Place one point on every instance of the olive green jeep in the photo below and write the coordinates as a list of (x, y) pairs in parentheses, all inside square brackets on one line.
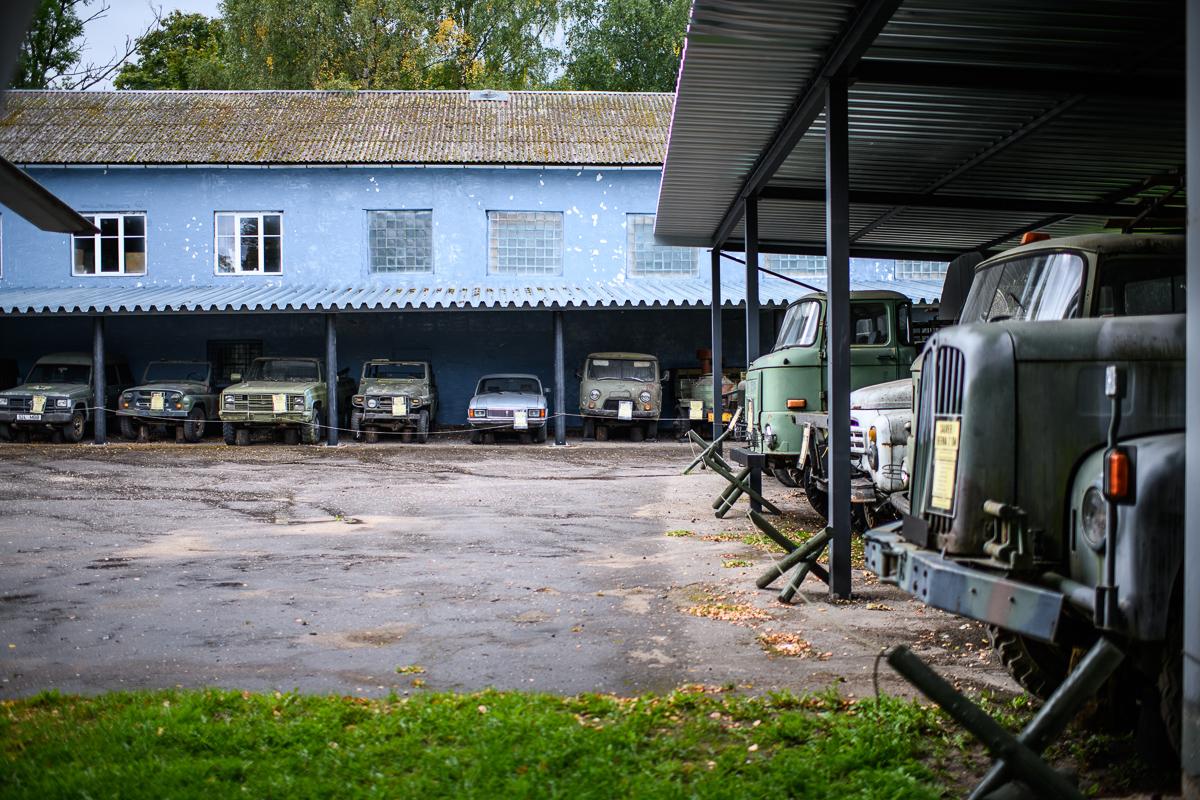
[(287, 394), (620, 390), (178, 394), (58, 394), (396, 396)]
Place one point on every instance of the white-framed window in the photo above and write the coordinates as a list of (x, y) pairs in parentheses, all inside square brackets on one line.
[(401, 240), (118, 249), (649, 260), (525, 242), (785, 264), (249, 243), (921, 270)]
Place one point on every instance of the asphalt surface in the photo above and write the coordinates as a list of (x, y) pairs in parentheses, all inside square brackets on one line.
[(509, 566)]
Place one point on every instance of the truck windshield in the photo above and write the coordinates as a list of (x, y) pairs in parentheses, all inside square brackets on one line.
[(620, 369), (1133, 286), (59, 373), (799, 328), (514, 383), (282, 369), (159, 371), (394, 372), (1043, 286)]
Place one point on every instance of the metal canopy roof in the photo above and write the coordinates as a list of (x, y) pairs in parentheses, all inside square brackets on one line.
[(970, 123)]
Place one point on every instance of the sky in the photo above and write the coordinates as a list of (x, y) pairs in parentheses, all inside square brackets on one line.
[(130, 18)]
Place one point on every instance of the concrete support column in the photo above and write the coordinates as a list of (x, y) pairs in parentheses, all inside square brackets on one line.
[(837, 343), (99, 415), (718, 405), (560, 383), (1190, 754), (331, 365)]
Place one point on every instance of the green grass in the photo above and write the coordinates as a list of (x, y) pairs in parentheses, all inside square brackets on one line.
[(691, 743)]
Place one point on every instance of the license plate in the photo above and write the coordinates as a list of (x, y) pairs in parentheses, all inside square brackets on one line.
[(39, 404), (625, 409), (521, 420), (945, 464), (29, 417), (279, 403), (400, 406), (695, 409), (156, 401)]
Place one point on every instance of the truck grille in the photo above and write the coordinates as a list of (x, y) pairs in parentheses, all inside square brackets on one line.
[(941, 395), (261, 403), (20, 404), (858, 439)]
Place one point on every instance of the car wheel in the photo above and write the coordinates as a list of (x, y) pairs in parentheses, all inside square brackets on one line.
[(589, 429), (539, 435), (356, 417), (126, 425), (474, 436), (193, 427), (310, 432), (73, 430), (423, 427), (6, 432), (242, 439), (229, 433)]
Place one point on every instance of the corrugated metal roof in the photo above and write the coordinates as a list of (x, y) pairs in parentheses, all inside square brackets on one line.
[(273, 127), (665, 293), (1058, 101)]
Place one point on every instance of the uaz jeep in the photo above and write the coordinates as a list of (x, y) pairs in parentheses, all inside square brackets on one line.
[(396, 396), (620, 390)]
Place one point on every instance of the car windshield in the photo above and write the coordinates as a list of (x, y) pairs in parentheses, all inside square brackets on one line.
[(1042, 286), (620, 369), (162, 371), (394, 371), (799, 328), (59, 373), (510, 383), (1133, 286), (283, 369)]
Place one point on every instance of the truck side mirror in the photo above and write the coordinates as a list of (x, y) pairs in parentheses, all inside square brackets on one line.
[(547, 390), (578, 375), (957, 285), (666, 376), (236, 377)]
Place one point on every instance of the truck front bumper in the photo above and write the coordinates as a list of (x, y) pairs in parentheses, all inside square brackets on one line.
[(606, 416), (23, 419), (154, 417), (959, 587), (267, 419), (377, 418)]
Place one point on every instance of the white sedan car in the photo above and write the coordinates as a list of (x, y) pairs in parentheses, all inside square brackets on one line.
[(508, 402)]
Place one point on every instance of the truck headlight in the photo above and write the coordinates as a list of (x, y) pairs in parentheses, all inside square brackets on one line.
[(127, 396), (229, 401), (644, 397), (4, 402), (594, 394), (62, 402), (769, 438), (175, 397), (372, 403), (1093, 517), (298, 403)]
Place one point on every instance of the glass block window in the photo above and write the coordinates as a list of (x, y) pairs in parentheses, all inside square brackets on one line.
[(249, 244), (525, 242), (119, 248), (808, 266), (401, 241), (916, 270), (648, 260)]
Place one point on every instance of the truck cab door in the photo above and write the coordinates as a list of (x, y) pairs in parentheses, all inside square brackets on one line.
[(874, 351)]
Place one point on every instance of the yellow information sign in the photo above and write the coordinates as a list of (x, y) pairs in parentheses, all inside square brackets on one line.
[(696, 409), (156, 401), (279, 403), (945, 463), (400, 406), (39, 404)]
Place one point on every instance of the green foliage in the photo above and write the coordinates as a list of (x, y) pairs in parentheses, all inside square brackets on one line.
[(689, 743), (172, 56), (624, 45), (49, 48)]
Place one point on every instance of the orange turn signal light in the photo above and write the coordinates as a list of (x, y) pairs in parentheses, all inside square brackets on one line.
[(1116, 475), (801, 403), (1034, 236)]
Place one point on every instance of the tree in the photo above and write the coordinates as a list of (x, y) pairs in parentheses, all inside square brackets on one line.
[(52, 48), (497, 45), (624, 45), (170, 55)]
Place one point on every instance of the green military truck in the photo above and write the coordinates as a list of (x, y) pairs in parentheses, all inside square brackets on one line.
[(58, 396), (395, 396), (785, 390), (620, 390), (285, 394), (178, 394), (1047, 466)]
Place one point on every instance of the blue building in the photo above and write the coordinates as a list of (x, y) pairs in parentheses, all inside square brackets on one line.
[(452, 226)]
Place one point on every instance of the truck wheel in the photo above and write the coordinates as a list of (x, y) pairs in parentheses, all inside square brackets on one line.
[(310, 432), (637, 433), (786, 477), (423, 427), (356, 417), (193, 426), (817, 498), (474, 436), (6, 432), (539, 435), (229, 433), (1038, 666), (127, 431), (589, 429), (73, 430), (371, 436)]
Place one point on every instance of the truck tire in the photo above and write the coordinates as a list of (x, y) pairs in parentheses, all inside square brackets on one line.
[(310, 432), (193, 426), (73, 430), (1038, 666), (6, 432), (652, 431), (356, 418), (423, 427), (817, 498), (589, 429), (242, 439), (229, 433), (127, 431), (371, 436), (786, 477)]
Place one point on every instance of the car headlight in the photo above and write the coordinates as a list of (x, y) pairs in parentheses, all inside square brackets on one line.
[(298, 403), (229, 401), (594, 394), (478, 412), (4, 401), (175, 397), (644, 397), (1094, 517), (62, 402), (372, 403)]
